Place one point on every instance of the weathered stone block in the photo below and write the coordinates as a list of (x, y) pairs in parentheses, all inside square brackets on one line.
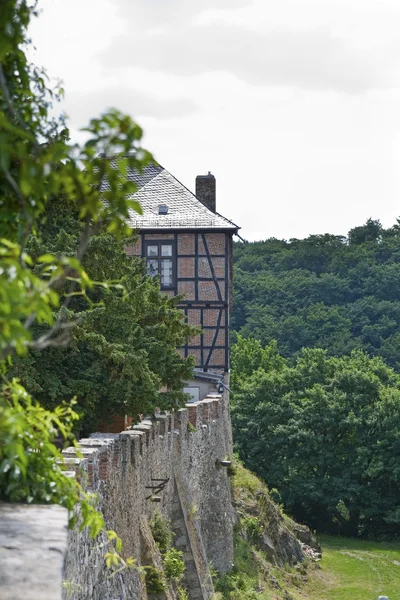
[(33, 541)]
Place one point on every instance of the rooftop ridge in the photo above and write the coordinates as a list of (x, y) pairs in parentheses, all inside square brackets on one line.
[(155, 185)]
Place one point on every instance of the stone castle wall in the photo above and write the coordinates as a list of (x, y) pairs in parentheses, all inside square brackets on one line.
[(184, 448)]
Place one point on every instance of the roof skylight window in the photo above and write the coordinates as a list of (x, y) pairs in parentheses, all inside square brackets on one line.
[(162, 209)]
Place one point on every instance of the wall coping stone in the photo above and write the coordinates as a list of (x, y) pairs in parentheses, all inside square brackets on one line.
[(93, 442), (33, 542), (88, 451)]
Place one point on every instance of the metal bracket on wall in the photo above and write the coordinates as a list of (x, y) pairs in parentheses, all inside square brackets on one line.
[(159, 487)]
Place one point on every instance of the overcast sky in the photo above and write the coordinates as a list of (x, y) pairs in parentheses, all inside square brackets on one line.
[(294, 105)]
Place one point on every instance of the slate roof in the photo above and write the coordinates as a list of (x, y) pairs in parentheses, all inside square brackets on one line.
[(157, 186)]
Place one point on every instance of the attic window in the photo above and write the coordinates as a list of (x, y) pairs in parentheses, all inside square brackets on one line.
[(162, 209)]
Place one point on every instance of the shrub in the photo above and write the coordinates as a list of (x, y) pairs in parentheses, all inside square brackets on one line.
[(172, 558), (161, 529), (245, 479), (253, 527), (30, 464), (182, 593), (154, 581), (174, 567)]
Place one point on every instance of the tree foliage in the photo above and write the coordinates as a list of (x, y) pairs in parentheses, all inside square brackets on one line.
[(31, 467), (38, 163), (64, 278), (324, 431), (325, 291), (122, 348)]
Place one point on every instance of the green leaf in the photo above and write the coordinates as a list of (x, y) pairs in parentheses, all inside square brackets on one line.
[(46, 258)]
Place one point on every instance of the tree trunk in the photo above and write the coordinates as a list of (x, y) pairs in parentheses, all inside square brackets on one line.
[(354, 521)]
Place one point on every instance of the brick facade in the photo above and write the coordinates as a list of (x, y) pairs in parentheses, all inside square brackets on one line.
[(203, 278)]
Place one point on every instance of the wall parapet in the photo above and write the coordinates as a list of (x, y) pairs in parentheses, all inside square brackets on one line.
[(94, 457), (178, 450)]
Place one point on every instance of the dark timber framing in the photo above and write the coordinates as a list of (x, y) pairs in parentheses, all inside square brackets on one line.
[(213, 314)]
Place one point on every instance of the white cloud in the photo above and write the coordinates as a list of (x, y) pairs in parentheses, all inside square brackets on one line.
[(313, 59), (151, 13), (292, 104), (130, 100), (350, 45)]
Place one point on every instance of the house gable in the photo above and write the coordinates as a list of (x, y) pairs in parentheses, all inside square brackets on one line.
[(190, 247)]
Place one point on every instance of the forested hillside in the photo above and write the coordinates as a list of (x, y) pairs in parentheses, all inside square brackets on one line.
[(327, 291), (323, 432), (316, 396)]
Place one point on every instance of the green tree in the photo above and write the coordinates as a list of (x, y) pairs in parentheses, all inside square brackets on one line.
[(370, 232), (325, 432), (55, 286), (324, 291), (123, 346)]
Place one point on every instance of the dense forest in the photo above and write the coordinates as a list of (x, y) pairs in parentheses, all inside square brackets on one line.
[(316, 388), (333, 292), (323, 432)]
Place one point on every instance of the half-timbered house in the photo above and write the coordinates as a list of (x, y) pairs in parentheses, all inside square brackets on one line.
[(189, 245)]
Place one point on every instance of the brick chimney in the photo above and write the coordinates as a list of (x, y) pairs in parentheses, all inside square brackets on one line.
[(205, 190)]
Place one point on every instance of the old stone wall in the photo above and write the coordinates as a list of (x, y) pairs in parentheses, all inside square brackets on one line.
[(33, 542), (181, 449)]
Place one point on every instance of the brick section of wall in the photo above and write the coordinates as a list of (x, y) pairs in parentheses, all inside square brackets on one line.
[(201, 248), (217, 357), (186, 288), (195, 340), (209, 337), (207, 291), (186, 243), (194, 317), (135, 249), (204, 267), (186, 267), (119, 467), (116, 424), (211, 317), (219, 266), (215, 243)]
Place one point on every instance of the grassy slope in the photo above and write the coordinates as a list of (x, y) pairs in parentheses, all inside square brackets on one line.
[(360, 570), (259, 573), (350, 569)]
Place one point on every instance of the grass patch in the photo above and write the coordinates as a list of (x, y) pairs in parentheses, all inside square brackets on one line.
[(243, 582), (245, 480), (356, 569), (350, 569)]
